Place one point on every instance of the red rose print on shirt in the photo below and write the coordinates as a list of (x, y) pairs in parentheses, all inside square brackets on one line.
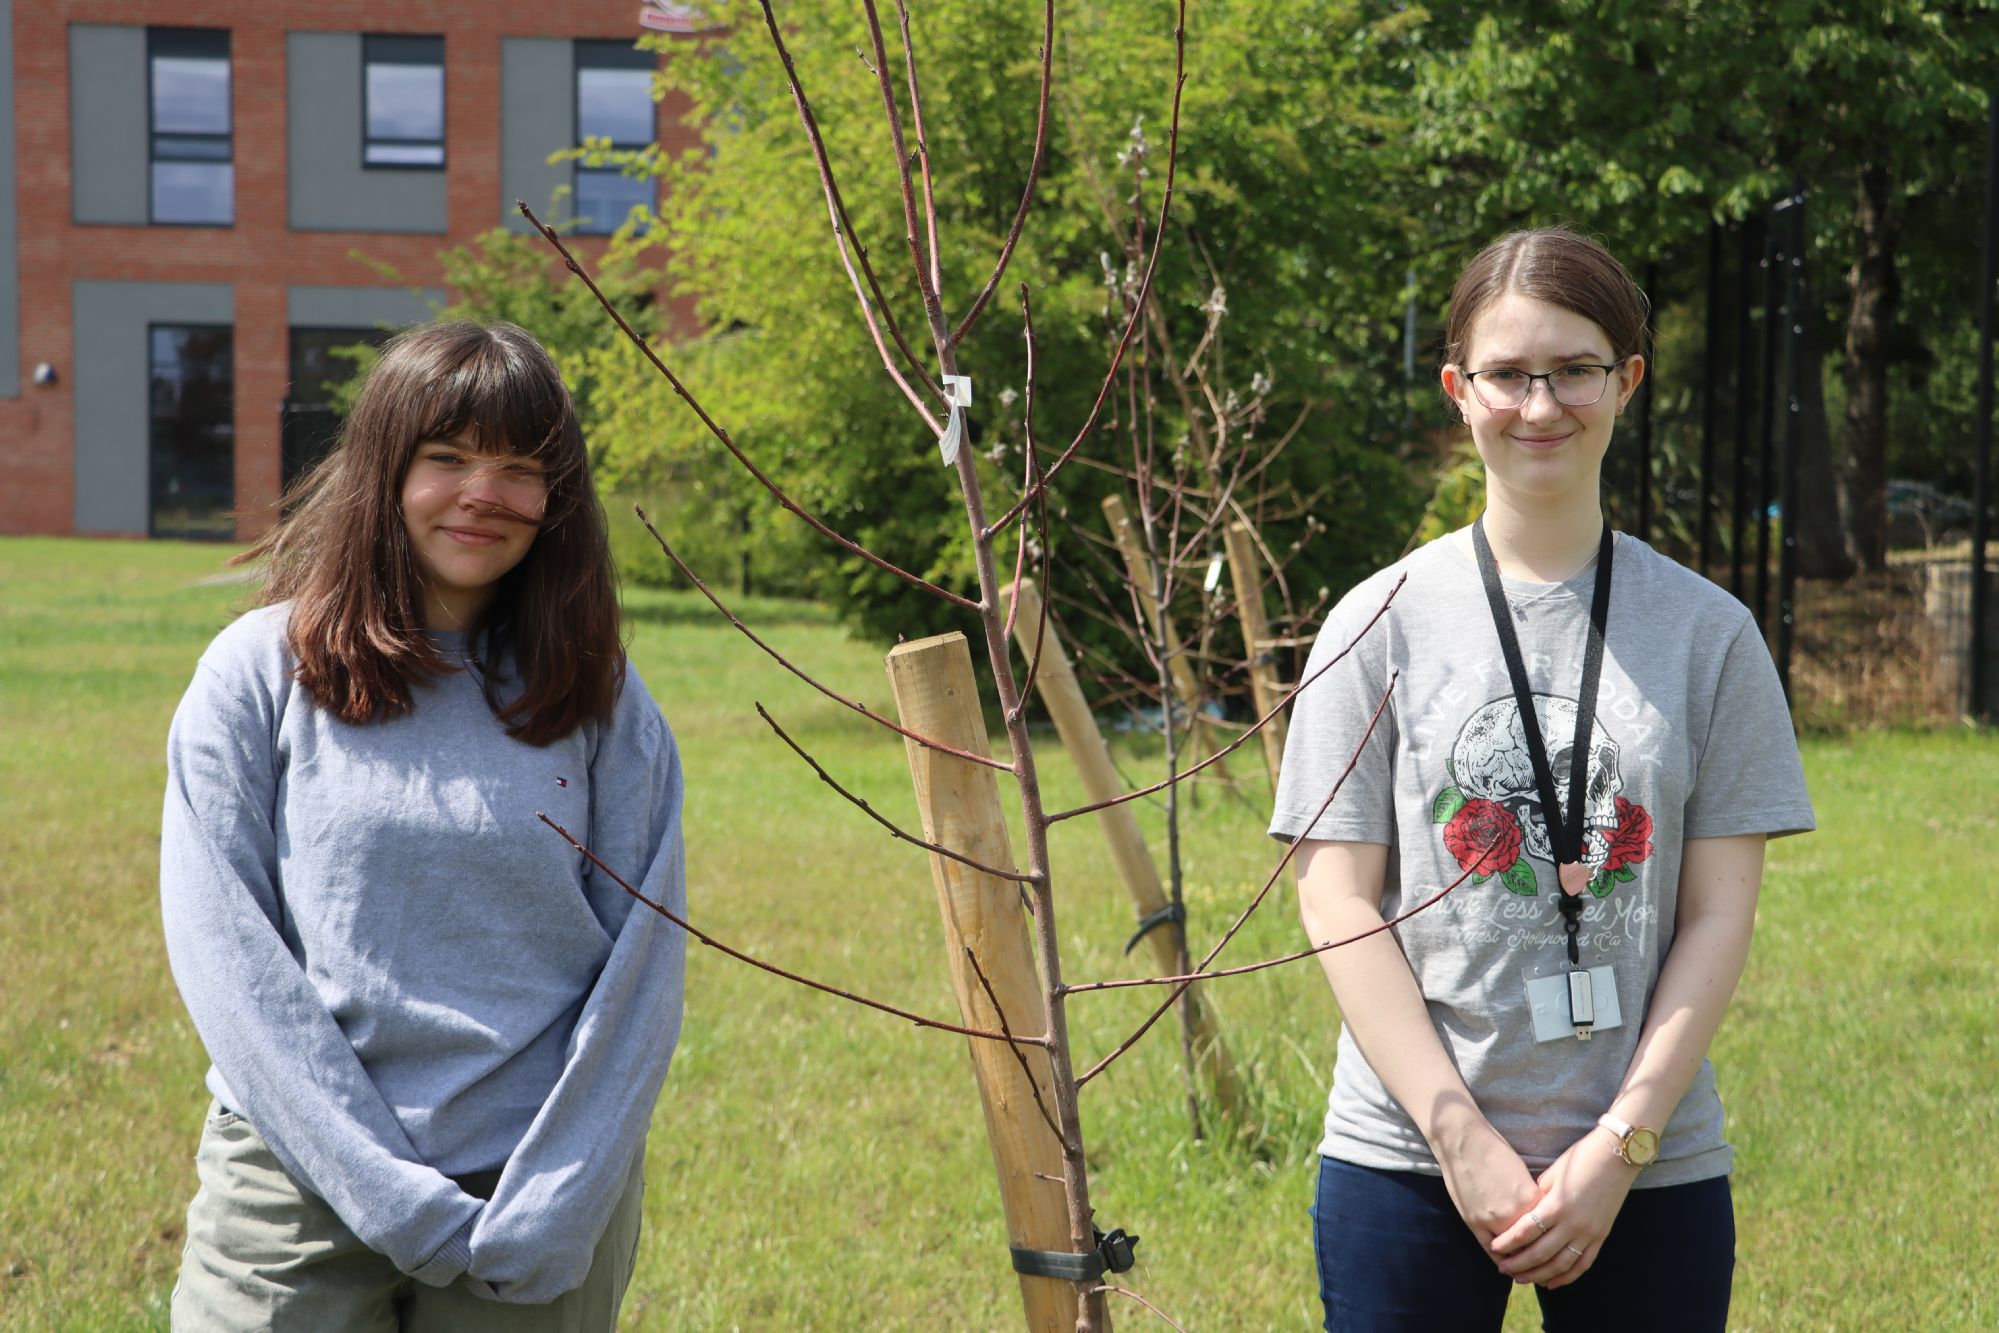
[(1490, 813), (1631, 841), (1484, 837)]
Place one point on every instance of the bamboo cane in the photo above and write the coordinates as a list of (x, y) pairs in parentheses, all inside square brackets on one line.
[(1138, 565), (1246, 570)]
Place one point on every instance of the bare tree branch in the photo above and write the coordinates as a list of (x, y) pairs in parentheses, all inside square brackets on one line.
[(1018, 1054), (875, 815), (1033, 451), (1258, 725), (1145, 284), (786, 663), (922, 147), (1127, 1291), (1033, 175), (836, 207), (1312, 952), (918, 1019), (1256, 902), (728, 443), (933, 301)]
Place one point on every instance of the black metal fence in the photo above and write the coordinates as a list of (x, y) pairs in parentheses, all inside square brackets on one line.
[(1741, 488)]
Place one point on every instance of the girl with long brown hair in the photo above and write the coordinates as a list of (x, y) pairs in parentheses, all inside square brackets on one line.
[(437, 1033), (1594, 741)]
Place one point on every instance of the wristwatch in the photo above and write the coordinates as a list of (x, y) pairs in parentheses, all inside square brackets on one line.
[(1637, 1145)]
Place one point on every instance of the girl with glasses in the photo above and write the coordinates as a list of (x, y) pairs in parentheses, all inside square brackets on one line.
[(437, 1033), (1593, 739)]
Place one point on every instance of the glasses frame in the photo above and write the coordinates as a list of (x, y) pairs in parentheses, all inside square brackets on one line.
[(1546, 377)]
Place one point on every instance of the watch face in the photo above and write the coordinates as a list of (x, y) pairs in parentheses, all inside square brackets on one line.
[(1642, 1147)]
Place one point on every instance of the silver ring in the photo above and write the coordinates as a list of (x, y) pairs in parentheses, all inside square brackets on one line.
[(1536, 1218), (1573, 1250)]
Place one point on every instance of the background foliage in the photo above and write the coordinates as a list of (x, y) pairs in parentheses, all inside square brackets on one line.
[(1339, 160)]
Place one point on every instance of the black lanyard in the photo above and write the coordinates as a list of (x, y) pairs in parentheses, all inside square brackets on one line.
[(1565, 827)]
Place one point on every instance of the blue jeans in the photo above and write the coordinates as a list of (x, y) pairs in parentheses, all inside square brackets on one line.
[(1394, 1255)]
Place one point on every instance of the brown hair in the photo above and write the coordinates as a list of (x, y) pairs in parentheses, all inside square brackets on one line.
[(341, 553), (1556, 265)]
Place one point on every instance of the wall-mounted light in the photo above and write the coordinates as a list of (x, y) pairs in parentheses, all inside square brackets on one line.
[(45, 373)]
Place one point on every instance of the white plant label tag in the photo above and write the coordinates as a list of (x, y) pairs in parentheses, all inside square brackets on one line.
[(958, 388)]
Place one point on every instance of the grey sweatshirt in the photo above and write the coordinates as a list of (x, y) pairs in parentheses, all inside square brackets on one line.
[(403, 977)]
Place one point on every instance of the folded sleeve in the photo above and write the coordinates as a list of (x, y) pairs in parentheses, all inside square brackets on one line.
[(538, 1233), (1345, 681), (1749, 778), (288, 1067)]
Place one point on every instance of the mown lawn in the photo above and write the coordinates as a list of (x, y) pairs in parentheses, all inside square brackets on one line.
[(814, 1165)]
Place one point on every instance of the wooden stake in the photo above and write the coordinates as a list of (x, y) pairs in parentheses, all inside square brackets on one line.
[(1055, 681), (935, 695), (1247, 573), (1138, 565)]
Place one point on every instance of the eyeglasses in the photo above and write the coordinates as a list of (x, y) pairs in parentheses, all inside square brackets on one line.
[(1505, 388)]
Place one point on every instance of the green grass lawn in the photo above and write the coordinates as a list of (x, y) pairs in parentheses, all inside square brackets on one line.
[(815, 1165)]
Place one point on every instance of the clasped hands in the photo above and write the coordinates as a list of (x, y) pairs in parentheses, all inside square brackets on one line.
[(1544, 1230)]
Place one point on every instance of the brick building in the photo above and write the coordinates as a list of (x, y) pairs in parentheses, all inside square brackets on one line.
[(184, 188)]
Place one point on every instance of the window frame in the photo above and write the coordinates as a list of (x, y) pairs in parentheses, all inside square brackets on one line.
[(599, 53), (192, 40), (386, 44)]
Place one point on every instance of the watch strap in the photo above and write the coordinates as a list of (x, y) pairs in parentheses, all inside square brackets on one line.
[(1624, 1132)]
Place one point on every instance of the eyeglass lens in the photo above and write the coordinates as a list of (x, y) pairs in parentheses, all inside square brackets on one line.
[(1573, 386)]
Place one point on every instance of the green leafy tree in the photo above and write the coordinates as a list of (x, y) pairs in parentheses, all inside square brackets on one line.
[(1275, 203), (511, 276), (1646, 122)]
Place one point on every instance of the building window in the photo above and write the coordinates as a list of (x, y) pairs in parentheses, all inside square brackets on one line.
[(193, 174), (192, 458), (402, 102), (613, 103), (322, 360)]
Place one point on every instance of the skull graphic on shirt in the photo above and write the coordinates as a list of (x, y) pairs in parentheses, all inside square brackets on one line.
[(1490, 761)]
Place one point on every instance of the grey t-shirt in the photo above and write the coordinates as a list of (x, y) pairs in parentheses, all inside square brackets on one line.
[(1692, 739)]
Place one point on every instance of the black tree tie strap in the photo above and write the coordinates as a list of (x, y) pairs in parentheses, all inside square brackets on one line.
[(1149, 922), (1113, 1254)]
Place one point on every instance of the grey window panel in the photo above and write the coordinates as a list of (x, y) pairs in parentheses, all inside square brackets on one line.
[(387, 153), (112, 360), (190, 95), (406, 102), (361, 307), (537, 118), (108, 113), (329, 187), (605, 197), (206, 148), (616, 104), (198, 193)]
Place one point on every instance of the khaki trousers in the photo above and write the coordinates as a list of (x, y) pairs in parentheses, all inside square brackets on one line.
[(264, 1254)]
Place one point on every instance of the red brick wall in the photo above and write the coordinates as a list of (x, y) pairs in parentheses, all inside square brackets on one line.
[(259, 256)]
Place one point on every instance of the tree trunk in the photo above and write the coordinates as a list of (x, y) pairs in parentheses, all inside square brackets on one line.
[(1821, 549), (1877, 293)]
